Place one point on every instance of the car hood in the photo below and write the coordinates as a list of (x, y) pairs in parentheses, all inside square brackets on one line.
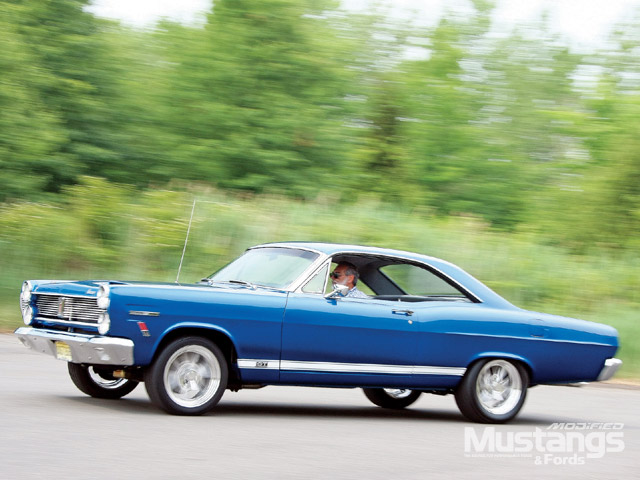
[(90, 287)]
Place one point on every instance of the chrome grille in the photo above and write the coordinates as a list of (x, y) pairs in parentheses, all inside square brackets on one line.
[(61, 308)]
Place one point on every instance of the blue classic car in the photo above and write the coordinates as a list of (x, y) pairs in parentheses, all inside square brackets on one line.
[(278, 316)]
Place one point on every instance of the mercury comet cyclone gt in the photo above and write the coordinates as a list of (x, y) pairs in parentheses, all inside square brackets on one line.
[(273, 317)]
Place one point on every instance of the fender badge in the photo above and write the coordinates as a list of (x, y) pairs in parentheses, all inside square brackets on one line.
[(144, 329)]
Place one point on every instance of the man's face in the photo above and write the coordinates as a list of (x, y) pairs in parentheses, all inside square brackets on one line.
[(340, 278)]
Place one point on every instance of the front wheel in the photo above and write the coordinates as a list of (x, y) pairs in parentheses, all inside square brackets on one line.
[(395, 398), (99, 383), (188, 377), (492, 391)]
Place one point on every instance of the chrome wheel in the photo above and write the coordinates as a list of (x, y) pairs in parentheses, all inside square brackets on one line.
[(499, 387), (105, 381), (398, 392), (492, 390), (391, 397), (99, 382), (188, 377), (192, 376)]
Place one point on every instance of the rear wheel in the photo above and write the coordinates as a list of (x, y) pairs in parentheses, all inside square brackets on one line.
[(492, 391), (188, 377), (391, 397), (99, 382)]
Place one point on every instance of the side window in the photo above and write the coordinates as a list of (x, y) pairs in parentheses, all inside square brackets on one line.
[(363, 287), (418, 281), (317, 282)]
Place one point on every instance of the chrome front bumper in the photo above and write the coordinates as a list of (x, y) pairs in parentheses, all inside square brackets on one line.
[(611, 366), (92, 349)]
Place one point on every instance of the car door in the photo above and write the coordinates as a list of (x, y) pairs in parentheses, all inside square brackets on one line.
[(441, 314), (346, 341)]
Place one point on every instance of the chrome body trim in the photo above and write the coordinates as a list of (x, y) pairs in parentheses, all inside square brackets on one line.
[(611, 366), (456, 371), (91, 349), (333, 367), (58, 294), (140, 313), (66, 322)]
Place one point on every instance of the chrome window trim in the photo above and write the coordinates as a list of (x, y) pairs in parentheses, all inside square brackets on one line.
[(325, 262), (475, 298), (304, 276), (289, 247)]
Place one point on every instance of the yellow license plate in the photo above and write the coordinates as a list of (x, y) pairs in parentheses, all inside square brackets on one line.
[(63, 351)]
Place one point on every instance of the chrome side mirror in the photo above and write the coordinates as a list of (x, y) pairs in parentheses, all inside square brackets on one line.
[(339, 291)]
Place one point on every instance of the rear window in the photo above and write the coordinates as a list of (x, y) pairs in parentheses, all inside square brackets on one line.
[(415, 280)]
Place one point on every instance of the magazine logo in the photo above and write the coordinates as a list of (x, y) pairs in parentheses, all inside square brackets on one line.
[(558, 444)]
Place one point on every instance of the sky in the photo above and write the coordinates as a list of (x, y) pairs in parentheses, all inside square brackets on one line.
[(584, 23)]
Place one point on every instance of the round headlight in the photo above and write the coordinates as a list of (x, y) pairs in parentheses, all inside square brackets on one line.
[(25, 294), (27, 315), (103, 297), (104, 322)]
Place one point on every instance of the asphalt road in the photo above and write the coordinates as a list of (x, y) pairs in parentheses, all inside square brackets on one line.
[(51, 430)]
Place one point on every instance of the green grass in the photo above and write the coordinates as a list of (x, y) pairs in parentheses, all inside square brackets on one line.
[(103, 231)]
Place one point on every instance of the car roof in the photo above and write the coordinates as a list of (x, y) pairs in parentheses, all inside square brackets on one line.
[(470, 283), (335, 248)]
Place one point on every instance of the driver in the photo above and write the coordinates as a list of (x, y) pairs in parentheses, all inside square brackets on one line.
[(347, 274)]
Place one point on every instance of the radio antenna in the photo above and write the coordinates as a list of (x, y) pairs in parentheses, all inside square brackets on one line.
[(185, 241)]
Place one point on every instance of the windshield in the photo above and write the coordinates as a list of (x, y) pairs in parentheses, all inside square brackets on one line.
[(270, 267)]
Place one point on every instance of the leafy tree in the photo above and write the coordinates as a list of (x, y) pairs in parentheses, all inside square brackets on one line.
[(30, 133), (257, 97), (76, 83)]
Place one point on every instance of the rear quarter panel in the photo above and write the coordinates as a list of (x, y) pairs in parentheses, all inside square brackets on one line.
[(555, 349)]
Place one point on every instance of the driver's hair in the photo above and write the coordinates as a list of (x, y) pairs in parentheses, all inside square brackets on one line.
[(351, 270)]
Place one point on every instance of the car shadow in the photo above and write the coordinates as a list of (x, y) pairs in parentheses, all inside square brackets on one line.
[(284, 410), (239, 409), (335, 411)]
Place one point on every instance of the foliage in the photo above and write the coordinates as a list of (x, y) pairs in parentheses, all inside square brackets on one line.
[(298, 97), (116, 233), (513, 156)]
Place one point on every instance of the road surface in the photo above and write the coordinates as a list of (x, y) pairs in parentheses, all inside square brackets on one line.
[(49, 429)]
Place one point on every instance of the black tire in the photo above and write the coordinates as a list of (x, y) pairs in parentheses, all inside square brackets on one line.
[(395, 398), (492, 391), (188, 377), (99, 382)]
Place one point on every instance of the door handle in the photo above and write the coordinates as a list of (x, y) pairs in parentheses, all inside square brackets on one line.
[(397, 311)]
